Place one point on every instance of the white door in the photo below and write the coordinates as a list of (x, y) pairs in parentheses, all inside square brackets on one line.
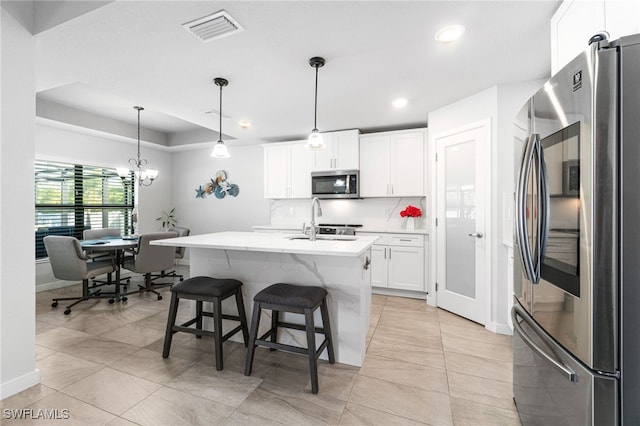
[(462, 201)]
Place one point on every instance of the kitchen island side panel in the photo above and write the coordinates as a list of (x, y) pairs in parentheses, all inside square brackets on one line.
[(345, 278)]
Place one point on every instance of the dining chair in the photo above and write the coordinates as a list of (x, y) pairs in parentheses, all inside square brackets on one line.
[(149, 258), (70, 263), (96, 234), (181, 232)]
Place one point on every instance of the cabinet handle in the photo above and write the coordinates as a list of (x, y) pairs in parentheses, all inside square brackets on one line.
[(388, 193), (405, 239), (389, 252), (385, 252), (391, 189)]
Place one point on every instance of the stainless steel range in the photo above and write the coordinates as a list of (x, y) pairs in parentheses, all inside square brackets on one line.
[(337, 229)]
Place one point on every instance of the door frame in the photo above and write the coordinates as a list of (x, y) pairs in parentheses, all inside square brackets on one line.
[(485, 156)]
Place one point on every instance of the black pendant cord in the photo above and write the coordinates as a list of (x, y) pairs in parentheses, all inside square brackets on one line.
[(315, 108), (220, 140), (138, 134)]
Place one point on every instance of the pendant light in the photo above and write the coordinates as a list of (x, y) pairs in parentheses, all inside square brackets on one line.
[(316, 141), (220, 150), (145, 177)]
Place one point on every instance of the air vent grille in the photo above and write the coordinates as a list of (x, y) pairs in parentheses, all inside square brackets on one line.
[(212, 27)]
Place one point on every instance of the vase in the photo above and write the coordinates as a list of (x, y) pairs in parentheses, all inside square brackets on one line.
[(411, 223)]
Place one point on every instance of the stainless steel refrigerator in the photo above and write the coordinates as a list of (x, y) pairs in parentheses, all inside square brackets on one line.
[(576, 312)]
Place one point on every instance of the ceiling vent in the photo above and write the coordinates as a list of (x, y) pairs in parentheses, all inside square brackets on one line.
[(211, 27)]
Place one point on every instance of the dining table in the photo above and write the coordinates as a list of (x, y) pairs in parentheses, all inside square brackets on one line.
[(117, 246)]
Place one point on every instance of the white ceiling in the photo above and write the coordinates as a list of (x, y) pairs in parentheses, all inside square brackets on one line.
[(137, 53)]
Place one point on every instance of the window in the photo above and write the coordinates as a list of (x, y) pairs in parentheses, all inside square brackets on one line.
[(70, 198)]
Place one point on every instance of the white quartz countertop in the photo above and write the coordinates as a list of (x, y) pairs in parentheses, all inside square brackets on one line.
[(271, 242)]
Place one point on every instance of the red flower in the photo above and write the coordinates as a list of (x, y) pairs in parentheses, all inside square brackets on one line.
[(411, 211)]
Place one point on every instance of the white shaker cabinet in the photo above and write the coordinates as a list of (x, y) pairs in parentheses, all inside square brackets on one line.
[(341, 153), (392, 164), (397, 262), (576, 21), (287, 170)]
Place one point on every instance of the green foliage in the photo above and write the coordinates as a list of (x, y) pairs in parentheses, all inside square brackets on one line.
[(168, 219)]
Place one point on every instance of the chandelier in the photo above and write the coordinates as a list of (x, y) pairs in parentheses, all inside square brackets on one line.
[(220, 150), (145, 177), (315, 140)]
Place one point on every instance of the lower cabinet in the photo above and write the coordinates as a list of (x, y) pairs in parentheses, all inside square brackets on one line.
[(397, 262)]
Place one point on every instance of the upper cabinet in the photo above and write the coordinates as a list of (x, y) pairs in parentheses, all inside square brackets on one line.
[(576, 21), (287, 170), (392, 164), (341, 153)]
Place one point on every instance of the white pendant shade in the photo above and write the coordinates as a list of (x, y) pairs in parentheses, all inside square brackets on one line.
[(315, 141), (220, 151)]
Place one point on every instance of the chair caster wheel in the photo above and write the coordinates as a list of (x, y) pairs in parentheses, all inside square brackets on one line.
[(181, 278), (54, 305), (124, 299), (128, 281), (159, 297), (67, 311), (111, 301)]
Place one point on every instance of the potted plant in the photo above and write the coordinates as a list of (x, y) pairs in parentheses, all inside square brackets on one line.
[(168, 220)]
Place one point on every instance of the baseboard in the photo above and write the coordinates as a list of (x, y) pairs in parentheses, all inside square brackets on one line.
[(400, 293), (499, 328), (19, 384)]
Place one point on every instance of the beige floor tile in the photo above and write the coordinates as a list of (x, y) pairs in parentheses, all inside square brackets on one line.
[(42, 326), (60, 370), (469, 413), (134, 334), (430, 339), (225, 387), (417, 322), (471, 347), (119, 421), (378, 299), (477, 366), (235, 356), (333, 379), (68, 410), (156, 321), (59, 338), (355, 414), (185, 346), (97, 349), (406, 401), (245, 419), (42, 352), (473, 331), (151, 366), (112, 390), (405, 373), (172, 407), (405, 352), (292, 407), (485, 391), (406, 303), (26, 397)]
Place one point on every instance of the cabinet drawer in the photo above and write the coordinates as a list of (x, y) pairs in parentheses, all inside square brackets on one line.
[(406, 240)]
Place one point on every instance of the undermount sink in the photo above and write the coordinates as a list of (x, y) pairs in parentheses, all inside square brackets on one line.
[(324, 237)]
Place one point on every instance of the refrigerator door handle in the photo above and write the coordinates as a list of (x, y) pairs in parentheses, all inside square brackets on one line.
[(522, 236), (516, 312), (543, 210)]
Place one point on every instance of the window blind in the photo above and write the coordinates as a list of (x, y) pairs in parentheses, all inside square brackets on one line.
[(70, 198)]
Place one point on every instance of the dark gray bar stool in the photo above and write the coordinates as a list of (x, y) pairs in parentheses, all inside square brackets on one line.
[(206, 289), (297, 299)]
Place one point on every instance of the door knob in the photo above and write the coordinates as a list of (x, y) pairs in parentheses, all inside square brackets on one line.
[(477, 235)]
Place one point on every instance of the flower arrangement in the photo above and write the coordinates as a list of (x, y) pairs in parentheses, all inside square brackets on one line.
[(411, 211)]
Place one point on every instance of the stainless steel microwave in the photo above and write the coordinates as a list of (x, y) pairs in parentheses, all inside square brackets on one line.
[(335, 184)]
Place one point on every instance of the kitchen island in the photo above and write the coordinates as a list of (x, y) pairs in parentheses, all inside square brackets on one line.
[(262, 259)]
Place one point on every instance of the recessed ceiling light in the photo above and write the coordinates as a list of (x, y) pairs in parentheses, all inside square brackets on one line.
[(245, 124), (400, 102), (450, 33)]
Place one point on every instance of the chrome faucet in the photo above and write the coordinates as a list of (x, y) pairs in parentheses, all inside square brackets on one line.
[(312, 226)]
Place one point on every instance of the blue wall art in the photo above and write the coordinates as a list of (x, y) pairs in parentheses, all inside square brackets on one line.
[(218, 186)]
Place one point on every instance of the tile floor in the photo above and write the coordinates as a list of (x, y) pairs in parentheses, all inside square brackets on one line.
[(103, 364)]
